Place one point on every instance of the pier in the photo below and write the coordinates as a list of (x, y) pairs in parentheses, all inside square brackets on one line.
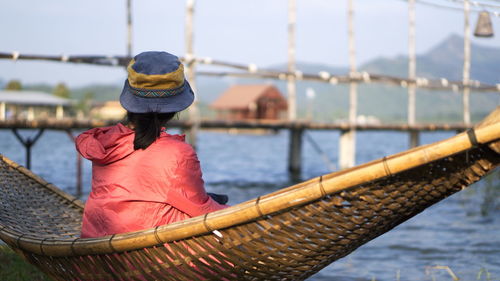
[(296, 131)]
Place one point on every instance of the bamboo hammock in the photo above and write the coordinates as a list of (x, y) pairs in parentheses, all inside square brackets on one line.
[(286, 235)]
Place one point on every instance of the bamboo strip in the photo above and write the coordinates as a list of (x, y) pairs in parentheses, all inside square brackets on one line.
[(72, 200)]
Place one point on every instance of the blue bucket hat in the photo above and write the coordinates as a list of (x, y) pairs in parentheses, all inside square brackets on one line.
[(156, 83)]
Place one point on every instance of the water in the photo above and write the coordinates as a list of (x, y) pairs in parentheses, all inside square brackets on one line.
[(462, 232)]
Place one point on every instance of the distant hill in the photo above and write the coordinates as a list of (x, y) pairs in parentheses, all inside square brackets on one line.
[(307, 67), (100, 92), (444, 60), (39, 87)]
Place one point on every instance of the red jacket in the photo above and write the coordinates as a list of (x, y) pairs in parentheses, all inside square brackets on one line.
[(139, 189)]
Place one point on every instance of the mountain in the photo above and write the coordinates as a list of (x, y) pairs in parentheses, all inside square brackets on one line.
[(444, 60), (307, 67), (100, 92)]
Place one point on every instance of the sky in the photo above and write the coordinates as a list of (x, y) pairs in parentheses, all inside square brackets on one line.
[(251, 31)]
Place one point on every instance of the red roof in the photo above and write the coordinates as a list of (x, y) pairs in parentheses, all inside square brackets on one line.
[(241, 96)]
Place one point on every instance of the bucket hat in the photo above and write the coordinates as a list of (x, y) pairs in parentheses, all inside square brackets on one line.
[(156, 83)]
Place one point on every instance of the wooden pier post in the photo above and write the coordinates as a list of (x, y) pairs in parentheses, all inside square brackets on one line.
[(28, 143), (59, 112), (78, 175), (412, 75), (3, 111), (347, 143), (78, 187), (129, 28), (414, 138), (466, 70), (190, 61), (295, 144), (346, 148), (291, 80), (295, 152)]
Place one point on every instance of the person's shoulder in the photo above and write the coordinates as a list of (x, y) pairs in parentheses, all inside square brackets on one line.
[(175, 143), (117, 128)]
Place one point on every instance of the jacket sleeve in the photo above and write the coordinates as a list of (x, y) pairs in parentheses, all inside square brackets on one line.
[(189, 194)]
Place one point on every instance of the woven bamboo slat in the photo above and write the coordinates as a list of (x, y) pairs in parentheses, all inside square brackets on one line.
[(286, 235)]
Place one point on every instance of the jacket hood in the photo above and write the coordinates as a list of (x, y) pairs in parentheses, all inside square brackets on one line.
[(106, 145)]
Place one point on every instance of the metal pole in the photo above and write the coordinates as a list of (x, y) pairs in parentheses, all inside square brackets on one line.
[(466, 72), (291, 86), (348, 138), (129, 28), (194, 114)]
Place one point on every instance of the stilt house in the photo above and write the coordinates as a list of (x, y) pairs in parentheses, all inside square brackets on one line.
[(31, 105), (246, 102)]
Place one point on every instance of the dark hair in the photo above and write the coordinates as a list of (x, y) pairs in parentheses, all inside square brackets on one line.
[(147, 127)]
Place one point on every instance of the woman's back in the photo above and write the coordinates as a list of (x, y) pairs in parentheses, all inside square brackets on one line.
[(143, 188)]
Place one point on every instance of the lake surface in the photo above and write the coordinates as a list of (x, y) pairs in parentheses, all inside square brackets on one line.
[(462, 232)]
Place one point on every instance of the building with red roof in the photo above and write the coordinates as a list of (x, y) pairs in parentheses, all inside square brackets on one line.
[(246, 102)]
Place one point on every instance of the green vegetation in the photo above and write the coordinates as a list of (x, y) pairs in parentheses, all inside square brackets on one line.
[(84, 105), (14, 268), (14, 85), (62, 91), (484, 272)]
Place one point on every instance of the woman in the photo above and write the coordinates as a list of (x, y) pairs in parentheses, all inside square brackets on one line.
[(142, 177)]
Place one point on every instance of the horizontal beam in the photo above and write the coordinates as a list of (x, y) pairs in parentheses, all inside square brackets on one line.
[(66, 124), (252, 71)]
